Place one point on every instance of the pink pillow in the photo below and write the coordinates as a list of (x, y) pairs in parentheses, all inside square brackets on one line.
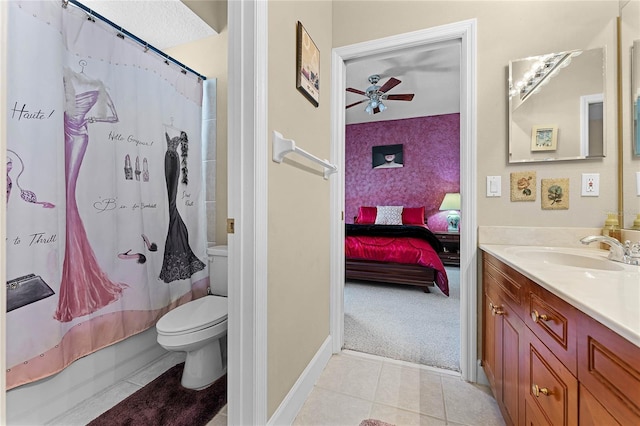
[(367, 215), (413, 216)]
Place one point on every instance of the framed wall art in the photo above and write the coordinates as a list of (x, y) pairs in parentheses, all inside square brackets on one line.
[(555, 194), (387, 156), (523, 186), (307, 66), (544, 138)]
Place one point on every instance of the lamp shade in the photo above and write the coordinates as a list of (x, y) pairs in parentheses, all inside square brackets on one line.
[(451, 201)]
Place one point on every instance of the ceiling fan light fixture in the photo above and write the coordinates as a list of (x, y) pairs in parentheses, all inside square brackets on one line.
[(377, 94), (369, 109)]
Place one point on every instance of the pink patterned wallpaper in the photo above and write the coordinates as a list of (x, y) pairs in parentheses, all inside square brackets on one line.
[(431, 154)]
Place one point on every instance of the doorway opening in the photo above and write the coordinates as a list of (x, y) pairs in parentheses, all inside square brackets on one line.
[(465, 34)]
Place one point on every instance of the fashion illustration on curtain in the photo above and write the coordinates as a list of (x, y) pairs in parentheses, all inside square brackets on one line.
[(179, 261), (84, 287)]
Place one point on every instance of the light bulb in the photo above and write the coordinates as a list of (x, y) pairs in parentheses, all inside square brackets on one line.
[(369, 109)]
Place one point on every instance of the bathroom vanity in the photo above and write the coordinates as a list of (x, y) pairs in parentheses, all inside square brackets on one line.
[(561, 336)]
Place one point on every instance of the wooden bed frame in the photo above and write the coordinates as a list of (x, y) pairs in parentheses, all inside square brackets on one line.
[(395, 273)]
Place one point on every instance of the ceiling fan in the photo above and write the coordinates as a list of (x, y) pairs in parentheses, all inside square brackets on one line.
[(376, 94)]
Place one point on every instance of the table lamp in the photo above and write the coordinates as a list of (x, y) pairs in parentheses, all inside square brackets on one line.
[(451, 203)]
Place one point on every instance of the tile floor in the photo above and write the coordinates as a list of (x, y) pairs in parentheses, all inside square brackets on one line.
[(353, 387)]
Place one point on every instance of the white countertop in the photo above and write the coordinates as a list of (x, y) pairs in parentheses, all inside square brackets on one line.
[(610, 297)]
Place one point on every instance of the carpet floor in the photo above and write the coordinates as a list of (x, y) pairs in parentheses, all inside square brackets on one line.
[(165, 402), (404, 323)]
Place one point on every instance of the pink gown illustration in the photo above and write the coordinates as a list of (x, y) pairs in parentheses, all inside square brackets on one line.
[(84, 287), (179, 261)]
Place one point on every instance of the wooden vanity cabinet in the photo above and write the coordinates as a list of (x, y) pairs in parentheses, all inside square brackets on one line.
[(609, 368), (504, 340), (549, 363)]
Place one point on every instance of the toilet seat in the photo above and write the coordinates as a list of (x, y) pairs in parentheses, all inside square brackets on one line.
[(193, 316)]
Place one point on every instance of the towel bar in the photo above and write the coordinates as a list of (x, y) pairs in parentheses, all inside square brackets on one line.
[(282, 147)]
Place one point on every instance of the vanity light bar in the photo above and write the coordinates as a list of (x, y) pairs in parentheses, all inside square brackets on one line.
[(540, 72)]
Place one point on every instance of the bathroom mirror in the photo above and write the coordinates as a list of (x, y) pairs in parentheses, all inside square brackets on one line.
[(635, 96), (556, 106)]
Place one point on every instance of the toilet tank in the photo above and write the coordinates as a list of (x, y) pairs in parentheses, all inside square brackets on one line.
[(218, 270)]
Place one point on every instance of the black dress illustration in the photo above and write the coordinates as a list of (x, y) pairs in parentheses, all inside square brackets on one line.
[(179, 261)]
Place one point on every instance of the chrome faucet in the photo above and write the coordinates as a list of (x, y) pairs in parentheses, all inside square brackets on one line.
[(618, 252)]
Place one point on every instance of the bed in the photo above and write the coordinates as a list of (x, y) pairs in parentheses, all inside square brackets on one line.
[(398, 251)]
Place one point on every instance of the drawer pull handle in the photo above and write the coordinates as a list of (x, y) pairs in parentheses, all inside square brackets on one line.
[(535, 316), (538, 390), (496, 310)]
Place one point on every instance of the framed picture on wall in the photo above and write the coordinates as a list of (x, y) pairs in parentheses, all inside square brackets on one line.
[(307, 66), (387, 157), (544, 138)]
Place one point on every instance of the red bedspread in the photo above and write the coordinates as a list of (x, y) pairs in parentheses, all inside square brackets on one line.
[(405, 250)]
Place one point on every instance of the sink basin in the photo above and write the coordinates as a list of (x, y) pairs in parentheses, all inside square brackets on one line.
[(567, 257)]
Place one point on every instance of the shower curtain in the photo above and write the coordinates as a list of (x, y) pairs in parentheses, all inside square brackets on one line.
[(105, 211)]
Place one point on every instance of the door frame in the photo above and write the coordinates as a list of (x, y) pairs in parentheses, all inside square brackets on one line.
[(247, 160), (466, 32)]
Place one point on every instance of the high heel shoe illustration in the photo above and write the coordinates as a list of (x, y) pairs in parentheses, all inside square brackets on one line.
[(25, 194), (145, 170), (137, 256), (137, 168), (128, 171), (150, 246), (9, 183)]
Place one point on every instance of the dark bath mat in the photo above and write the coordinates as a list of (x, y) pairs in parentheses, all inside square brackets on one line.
[(166, 402)]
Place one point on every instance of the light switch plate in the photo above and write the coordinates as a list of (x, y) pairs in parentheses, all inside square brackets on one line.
[(590, 184), (494, 186)]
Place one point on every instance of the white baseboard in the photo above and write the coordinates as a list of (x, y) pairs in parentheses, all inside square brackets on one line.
[(293, 402)]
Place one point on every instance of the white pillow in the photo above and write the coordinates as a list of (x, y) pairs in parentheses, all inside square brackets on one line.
[(389, 215)]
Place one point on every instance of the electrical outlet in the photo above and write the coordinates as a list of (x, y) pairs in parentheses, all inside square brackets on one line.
[(590, 184), (494, 186)]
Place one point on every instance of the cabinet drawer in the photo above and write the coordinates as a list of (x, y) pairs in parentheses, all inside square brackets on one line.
[(554, 322), (609, 368), (551, 388), (448, 238), (504, 283)]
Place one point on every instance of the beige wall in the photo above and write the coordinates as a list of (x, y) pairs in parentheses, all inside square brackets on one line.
[(509, 30), (298, 197), (209, 58)]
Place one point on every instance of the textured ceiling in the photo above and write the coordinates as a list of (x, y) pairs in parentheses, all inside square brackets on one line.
[(161, 23), (432, 73)]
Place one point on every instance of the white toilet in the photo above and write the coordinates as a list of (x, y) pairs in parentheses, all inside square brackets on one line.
[(199, 328)]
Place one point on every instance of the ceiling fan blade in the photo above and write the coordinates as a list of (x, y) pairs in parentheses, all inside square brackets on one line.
[(405, 97), (356, 103), (390, 84), (359, 92)]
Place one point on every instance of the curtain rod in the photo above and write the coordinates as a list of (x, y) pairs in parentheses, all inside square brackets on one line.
[(123, 32)]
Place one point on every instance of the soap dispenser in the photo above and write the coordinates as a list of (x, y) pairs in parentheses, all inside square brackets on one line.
[(636, 223), (611, 229)]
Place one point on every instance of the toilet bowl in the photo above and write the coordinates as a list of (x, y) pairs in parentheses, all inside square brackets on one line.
[(199, 328)]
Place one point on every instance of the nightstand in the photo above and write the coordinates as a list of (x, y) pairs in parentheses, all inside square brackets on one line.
[(451, 247)]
